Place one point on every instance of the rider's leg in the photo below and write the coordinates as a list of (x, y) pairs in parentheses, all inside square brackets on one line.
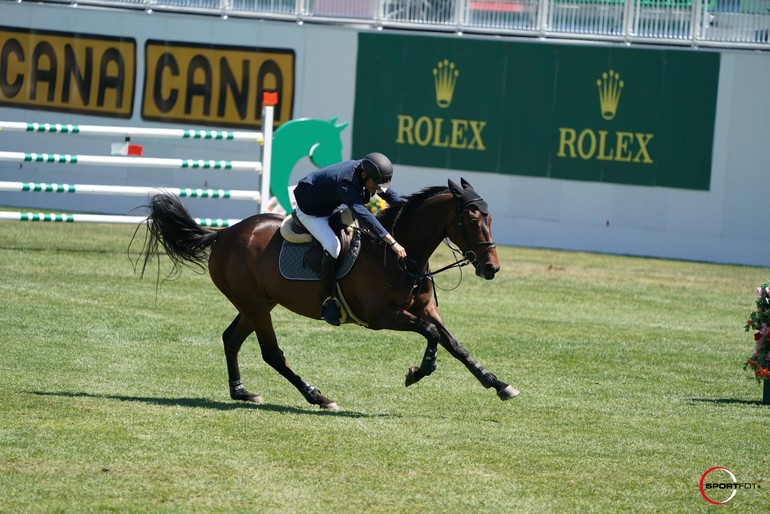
[(329, 310), (319, 227)]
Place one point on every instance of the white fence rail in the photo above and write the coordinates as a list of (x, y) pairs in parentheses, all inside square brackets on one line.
[(738, 23)]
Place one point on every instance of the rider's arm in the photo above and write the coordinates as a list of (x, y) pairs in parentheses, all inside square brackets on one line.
[(372, 223), (351, 197), (367, 219), (390, 196)]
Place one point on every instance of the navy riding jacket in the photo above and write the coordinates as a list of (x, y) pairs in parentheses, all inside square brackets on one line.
[(321, 192)]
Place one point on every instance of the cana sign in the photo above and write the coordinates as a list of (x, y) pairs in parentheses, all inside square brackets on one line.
[(62, 71), (215, 85)]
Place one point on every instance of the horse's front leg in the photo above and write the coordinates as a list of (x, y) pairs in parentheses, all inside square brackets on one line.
[(453, 346), (394, 318)]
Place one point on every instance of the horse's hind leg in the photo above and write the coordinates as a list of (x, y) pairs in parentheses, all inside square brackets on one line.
[(233, 338), (273, 355), (427, 366)]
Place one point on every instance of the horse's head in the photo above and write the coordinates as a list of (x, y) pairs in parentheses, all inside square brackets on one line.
[(472, 229)]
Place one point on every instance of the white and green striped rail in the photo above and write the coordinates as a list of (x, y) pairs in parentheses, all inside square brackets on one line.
[(101, 218), (131, 132), (99, 189), (138, 162)]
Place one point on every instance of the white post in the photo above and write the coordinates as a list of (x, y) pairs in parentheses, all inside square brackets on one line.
[(267, 155)]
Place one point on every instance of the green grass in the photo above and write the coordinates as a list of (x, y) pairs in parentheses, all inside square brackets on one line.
[(113, 396)]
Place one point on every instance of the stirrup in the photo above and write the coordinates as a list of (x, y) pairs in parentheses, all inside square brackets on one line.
[(330, 312)]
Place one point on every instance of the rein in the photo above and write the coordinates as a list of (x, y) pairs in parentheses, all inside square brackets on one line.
[(469, 199), (409, 266)]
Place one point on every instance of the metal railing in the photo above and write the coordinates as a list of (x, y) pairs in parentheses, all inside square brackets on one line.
[(725, 23)]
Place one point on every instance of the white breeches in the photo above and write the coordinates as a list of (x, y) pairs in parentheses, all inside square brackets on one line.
[(319, 227)]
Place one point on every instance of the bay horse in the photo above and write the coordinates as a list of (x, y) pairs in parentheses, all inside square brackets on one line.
[(380, 291)]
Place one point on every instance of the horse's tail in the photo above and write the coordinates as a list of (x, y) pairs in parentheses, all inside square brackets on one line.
[(170, 225)]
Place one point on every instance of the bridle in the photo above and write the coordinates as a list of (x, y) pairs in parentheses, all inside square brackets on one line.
[(468, 256), (479, 203)]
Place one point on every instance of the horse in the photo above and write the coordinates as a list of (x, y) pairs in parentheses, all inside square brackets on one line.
[(380, 291)]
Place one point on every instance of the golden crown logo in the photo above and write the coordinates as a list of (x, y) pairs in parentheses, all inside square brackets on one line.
[(610, 86), (445, 77)]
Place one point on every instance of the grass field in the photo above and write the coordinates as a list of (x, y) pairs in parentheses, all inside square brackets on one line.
[(113, 395)]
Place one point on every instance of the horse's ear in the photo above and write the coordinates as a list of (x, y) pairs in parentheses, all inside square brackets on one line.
[(465, 184), (455, 189)]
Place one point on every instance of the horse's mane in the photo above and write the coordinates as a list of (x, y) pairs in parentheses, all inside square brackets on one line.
[(389, 215)]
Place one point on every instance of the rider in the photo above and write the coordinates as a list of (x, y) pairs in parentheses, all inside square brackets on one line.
[(351, 183)]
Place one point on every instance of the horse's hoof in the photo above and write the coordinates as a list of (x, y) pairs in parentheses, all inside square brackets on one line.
[(411, 377), (508, 393), (246, 396), (332, 406)]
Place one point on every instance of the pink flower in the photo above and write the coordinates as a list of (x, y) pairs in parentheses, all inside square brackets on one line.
[(759, 291)]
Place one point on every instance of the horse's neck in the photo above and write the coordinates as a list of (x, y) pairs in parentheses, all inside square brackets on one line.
[(426, 227)]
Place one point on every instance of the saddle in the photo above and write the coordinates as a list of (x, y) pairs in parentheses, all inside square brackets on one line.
[(306, 253)]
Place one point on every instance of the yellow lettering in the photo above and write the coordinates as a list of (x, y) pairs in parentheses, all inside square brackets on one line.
[(602, 156), (437, 141), (622, 140), (599, 145), (440, 133), (458, 133), (477, 143), (567, 138), (423, 140), (585, 155), (643, 140), (405, 127)]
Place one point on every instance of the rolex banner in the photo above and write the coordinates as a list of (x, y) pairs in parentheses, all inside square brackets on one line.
[(604, 114)]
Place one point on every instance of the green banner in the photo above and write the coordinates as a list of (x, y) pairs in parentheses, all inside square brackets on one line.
[(602, 114)]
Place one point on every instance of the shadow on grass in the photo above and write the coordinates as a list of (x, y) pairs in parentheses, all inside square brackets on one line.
[(726, 401), (203, 403)]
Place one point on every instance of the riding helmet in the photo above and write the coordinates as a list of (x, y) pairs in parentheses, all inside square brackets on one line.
[(378, 167)]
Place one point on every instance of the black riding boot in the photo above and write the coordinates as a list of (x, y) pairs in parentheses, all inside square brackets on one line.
[(329, 311)]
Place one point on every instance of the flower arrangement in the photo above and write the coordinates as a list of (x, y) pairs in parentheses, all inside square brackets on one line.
[(376, 204), (759, 321)]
